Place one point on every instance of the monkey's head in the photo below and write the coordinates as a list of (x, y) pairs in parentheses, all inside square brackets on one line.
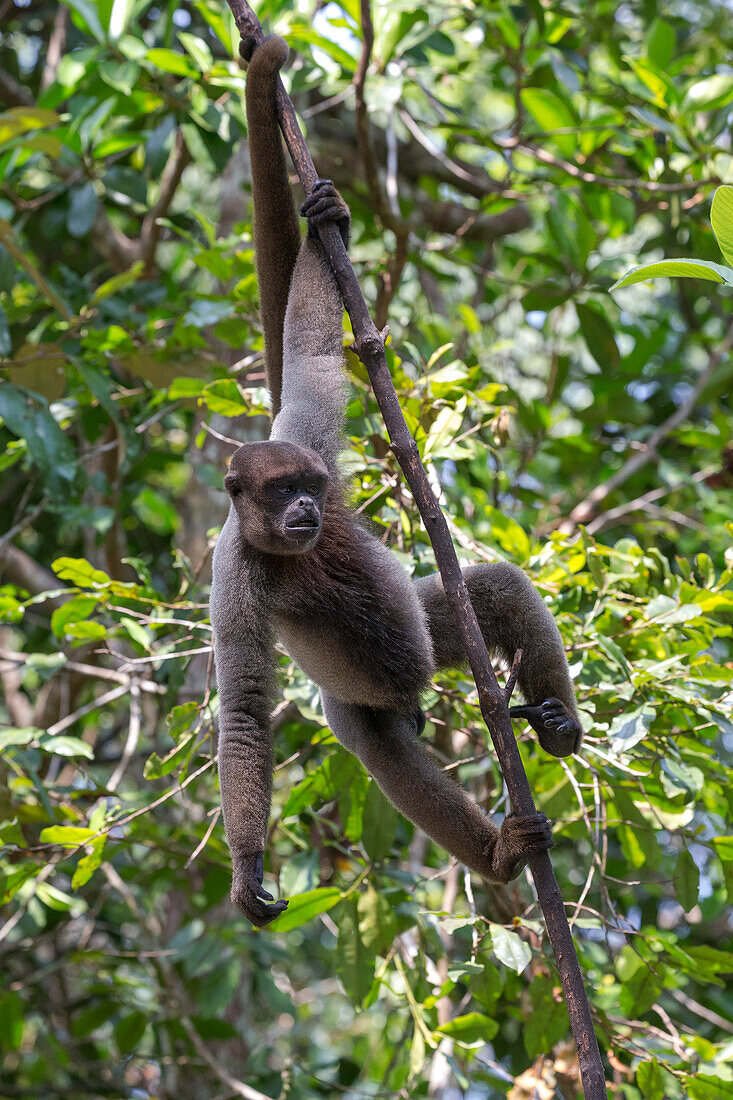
[(279, 492)]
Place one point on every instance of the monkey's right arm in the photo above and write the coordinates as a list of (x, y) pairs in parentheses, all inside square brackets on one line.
[(244, 654)]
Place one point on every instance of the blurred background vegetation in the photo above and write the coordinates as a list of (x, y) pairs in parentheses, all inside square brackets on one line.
[(505, 164)]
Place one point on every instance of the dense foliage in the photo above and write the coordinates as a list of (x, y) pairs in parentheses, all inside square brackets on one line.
[(505, 163)]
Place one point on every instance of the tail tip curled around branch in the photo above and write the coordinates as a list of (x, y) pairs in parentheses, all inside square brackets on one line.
[(268, 54)]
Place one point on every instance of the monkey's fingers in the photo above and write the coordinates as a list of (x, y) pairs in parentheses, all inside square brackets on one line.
[(260, 892)]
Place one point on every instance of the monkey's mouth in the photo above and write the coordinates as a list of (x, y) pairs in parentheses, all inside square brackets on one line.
[(303, 529)]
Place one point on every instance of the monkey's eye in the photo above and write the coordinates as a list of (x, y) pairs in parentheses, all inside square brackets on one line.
[(314, 490), (286, 490)]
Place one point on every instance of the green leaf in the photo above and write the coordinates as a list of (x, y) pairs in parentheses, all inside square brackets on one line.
[(552, 113), (678, 778), (639, 992), (710, 93), (79, 572), (28, 416), (702, 1087), (690, 269), (354, 958), (686, 880), (721, 219), (548, 1022), (510, 949), (156, 766), (171, 62), (660, 43), (305, 907), (379, 824), (64, 745), (650, 1079), (70, 836), (77, 609), (198, 49), (129, 1031), (82, 209), (474, 1027), (11, 1021), (598, 335), (118, 282), (377, 923), (11, 883), (16, 736), (6, 342), (88, 863), (86, 12)]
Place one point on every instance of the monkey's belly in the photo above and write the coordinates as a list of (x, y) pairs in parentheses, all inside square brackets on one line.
[(383, 673)]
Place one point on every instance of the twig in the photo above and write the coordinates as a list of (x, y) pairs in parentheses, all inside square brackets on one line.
[(701, 1010), (605, 519), (204, 840), (176, 164), (369, 346), (512, 677), (98, 673), (589, 507), (100, 701), (133, 736), (615, 182), (56, 44), (237, 1087)]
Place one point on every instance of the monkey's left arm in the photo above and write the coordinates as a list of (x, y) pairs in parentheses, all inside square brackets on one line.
[(313, 385), (244, 654)]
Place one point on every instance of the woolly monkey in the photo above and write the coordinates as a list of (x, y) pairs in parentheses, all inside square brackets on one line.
[(294, 563)]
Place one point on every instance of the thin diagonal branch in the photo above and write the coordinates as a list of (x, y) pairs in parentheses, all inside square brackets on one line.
[(590, 507)]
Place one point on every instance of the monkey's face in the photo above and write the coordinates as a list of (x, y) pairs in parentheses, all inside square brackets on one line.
[(279, 493)]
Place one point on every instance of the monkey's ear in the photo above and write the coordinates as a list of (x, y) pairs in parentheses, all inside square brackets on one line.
[(232, 485)]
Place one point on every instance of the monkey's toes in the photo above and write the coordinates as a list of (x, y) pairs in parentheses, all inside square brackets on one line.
[(324, 204), (530, 831), (559, 731)]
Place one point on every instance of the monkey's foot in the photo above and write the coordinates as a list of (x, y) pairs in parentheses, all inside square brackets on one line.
[(248, 893), (519, 836), (559, 731), (324, 204)]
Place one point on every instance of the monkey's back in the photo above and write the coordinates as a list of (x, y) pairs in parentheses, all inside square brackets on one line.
[(348, 614)]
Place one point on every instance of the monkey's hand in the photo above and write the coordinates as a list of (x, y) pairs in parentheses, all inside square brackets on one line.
[(248, 893), (559, 731), (324, 204), (519, 836)]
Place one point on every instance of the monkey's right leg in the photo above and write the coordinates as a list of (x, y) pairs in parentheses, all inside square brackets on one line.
[(387, 746), (512, 615)]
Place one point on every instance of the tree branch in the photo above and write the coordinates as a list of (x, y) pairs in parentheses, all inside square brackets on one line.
[(590, 507), (176, 164), (13, 94), (369, 346)]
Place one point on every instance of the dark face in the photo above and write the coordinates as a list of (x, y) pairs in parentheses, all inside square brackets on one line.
[(279, 492)]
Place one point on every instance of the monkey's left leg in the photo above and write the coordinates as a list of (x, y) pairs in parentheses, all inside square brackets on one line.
[(512, 615), (387, 745)]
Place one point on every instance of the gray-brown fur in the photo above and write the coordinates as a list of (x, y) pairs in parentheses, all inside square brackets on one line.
[(294, 562), (276, 229)]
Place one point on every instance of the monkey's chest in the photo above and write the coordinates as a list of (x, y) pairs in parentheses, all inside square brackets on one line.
[(365, 654)]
